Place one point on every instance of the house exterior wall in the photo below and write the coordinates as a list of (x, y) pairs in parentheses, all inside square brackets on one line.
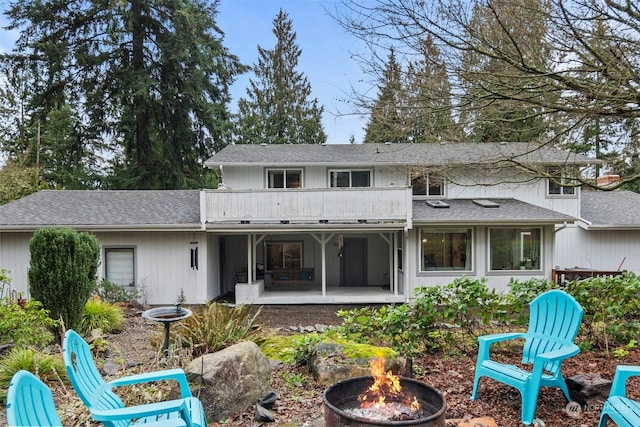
[(498, 280), (605, 250), (162, 263), (14, 256)]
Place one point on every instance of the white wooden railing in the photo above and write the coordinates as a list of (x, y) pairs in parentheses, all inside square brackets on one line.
[(344, 204)]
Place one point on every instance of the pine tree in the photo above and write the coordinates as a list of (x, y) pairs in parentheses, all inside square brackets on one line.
[(388, 122), (490, 118), (429, 110), (151, 78), (277, 109)]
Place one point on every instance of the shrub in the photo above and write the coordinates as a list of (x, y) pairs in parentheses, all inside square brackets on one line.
[(99, 314), (47, 367), (62, 272), (112, 292), (214, 326), (611, 309), (25, 325)]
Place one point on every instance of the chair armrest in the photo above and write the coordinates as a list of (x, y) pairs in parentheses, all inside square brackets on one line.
[(623, 373), (167, 374), (560, 354), (490, 339), (148, 410)]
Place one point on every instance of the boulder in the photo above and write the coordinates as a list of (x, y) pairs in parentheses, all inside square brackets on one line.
[(331, 362), (229, 381)]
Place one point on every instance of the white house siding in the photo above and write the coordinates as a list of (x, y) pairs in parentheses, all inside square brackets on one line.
[(598, 249), (14, 256), (480, 265), (245, 178), (163, 264), (534, 193)]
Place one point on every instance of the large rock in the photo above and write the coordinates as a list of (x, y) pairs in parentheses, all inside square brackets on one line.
[(231, 380), (332, 362)]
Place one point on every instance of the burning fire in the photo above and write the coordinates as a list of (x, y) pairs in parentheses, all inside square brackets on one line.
[(385, 394)]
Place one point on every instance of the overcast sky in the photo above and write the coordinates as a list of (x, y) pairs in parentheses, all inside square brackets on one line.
[(325, 59)]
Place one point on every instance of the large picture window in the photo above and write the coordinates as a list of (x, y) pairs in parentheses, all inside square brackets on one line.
[(445, 249), (284, 178), (350, 178), (284, 255), (427, 184), (515, 248), (119, 266)]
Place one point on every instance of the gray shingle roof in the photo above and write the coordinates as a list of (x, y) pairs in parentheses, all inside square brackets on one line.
[(466, 211), (392, 154), (611, 209), (98, 208)]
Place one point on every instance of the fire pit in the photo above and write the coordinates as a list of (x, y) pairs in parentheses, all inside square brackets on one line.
[(383, 399)]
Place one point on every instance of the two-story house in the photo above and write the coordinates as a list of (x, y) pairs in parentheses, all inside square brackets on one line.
[(294, 224)]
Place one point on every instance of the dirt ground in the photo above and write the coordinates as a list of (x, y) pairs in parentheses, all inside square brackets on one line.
[(300, 403)]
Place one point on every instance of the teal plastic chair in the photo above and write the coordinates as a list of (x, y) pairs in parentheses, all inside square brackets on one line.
[(554, 321), (30, 402), (106, 407), (618, 407)]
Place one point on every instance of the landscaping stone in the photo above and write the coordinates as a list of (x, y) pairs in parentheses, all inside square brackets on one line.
[(230, 381), (583, 387), (473, 422), (329, 364)]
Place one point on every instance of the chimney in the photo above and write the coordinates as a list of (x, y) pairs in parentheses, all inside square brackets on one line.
[(607, 180)]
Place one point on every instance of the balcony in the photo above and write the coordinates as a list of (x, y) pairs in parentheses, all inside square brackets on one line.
[(319, 205)]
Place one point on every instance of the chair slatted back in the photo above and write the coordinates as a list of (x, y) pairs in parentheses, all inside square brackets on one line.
[(554, 322), (86, 378), (30, 402)]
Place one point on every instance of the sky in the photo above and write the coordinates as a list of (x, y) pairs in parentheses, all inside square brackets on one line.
[(325, 59)]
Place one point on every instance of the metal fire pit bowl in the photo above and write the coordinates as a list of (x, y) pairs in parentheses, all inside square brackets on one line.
[(344, 394)]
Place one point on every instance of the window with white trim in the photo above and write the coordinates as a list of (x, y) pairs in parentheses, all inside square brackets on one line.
[(119, 265), (445, 249), (427, 184), (284, 178), (515, 248), (560, 184), (349, 178)]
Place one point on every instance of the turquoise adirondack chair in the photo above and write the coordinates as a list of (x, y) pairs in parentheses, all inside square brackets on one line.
[(554, 321), (618, 407), (30, 402), (106, 407)]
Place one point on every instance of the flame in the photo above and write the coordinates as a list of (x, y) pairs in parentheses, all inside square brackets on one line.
[(386, 392)]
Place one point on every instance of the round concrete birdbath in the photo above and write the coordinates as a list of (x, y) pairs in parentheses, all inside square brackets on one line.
[(166, 316)]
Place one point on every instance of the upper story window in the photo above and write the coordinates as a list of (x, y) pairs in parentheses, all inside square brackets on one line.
[(560, 184), (427, 184), (284, 178), (350, 178)]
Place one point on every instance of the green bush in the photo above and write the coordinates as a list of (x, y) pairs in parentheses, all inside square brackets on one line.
[(25, 325), (611, 309), (99, 314), (47, 367), (214, 326), (62, 273), (112, 292)]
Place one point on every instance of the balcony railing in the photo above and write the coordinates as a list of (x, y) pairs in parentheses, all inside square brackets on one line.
[(331, 204)]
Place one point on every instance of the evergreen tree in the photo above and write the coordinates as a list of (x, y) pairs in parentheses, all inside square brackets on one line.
[(487, 117), (277, 109), (429, 110), (151, 78), (388, 122)]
